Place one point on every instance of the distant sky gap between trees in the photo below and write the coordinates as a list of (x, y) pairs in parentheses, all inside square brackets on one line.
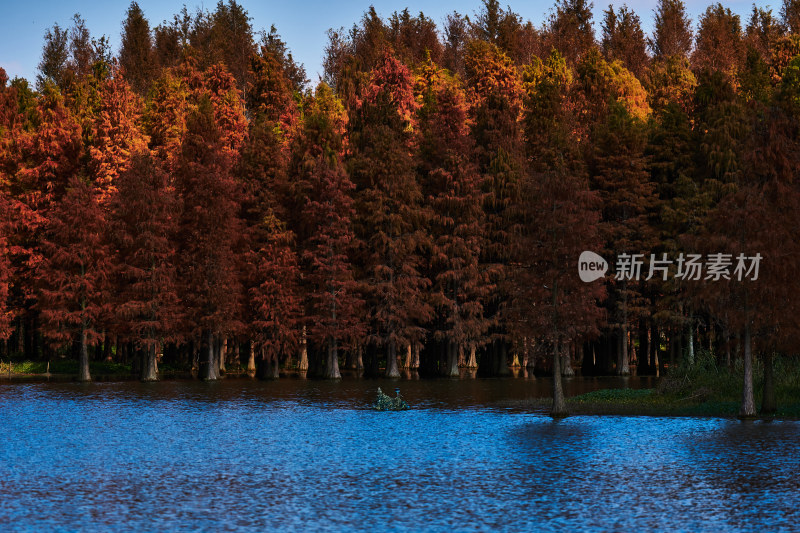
[(303, 24)]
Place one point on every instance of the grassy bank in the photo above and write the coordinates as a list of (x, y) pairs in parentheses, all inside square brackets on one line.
[(701, 389), (64, 366), (68, 369)]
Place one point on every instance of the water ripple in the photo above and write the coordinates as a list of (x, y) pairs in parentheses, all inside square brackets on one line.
[(310, 456)]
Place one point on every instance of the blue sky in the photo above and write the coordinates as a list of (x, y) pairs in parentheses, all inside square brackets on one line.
[(301, 23)]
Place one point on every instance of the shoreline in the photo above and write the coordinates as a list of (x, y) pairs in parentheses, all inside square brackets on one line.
[(601, 402), (648, 402)]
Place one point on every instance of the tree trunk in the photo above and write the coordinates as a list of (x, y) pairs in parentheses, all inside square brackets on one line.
[(350, 359), (107, 354), (748, 408), (525, 352), (530, 354), (623, 361), (217, 352), (195, 348), (690, 351), (251, 357), (20, 336), (391, 361), (727, 348), (302, 365), (654, 345), (83, 359), (332, 362), (452, 360), (268, 368), (711, 338), (415, 356), (360, 358), (472, 362), (559, 406), (643, 353), (137, 359), (407, 360), (566, 369), (223, 352), (768, 405), (209, 368), (149, 370), (288, 363), (263, 367), (276, 367), (673, 347)]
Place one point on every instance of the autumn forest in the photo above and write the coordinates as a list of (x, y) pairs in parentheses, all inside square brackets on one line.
[(193, 200)]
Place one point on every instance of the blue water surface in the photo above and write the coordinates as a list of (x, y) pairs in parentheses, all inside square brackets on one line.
[(311, 456)]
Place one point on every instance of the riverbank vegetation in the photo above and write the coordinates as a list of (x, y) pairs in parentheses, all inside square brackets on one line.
[(703, 389), (192, 201)]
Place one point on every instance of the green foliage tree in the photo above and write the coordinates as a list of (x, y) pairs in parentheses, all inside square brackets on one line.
[(136, 57), (623, 39), (672, 32)]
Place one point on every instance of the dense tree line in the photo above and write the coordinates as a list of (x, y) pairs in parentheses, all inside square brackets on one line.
[(193, 201)]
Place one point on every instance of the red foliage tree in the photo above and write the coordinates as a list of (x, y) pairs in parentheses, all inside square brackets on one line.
[(759, 218), (165, 115), (8, 104), (8, 114), (274, 298), (270, 93), (144, 226), (564, 216), (265, 244), (39, 163), (209, 225), (227, 103), (495, 98), (333, 304), (620, 176), (561, 221), (73, 275), (5, 275), (390, 218), (452, 188), (116, 134), (719, 45)]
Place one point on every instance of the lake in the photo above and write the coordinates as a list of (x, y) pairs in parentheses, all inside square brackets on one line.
[(306, 455)]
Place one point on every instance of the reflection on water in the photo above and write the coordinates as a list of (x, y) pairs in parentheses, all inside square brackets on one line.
[(309, 455)]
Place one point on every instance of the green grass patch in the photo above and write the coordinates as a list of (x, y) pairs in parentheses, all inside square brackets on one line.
[(613, 395), (703, 388), (62, 366)]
